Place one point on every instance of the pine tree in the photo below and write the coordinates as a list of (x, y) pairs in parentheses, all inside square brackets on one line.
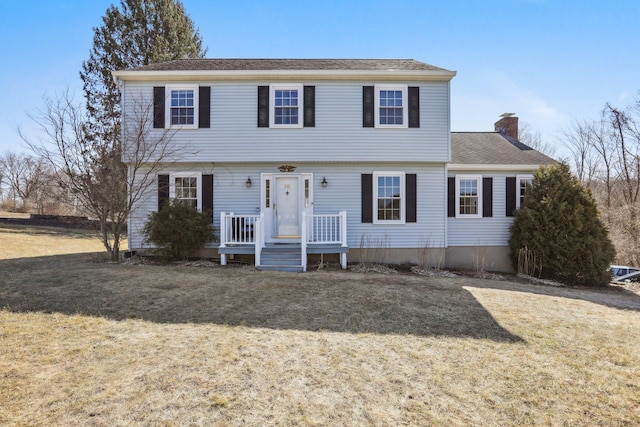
[(140, 32), (560, 224)]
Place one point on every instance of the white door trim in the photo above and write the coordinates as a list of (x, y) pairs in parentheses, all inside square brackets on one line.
[(268, 202)]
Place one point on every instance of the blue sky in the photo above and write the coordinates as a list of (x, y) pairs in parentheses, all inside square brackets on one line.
[(548, 61)]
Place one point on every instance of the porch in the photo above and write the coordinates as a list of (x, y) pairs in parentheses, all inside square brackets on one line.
[(319, 234)]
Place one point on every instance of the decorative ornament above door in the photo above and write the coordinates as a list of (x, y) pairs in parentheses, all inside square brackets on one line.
[(286, 168)]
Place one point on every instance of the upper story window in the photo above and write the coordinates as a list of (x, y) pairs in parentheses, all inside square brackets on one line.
[(389, 194), (187, 188), (182, 106), (522, 182), (468, 196), (391, 106), (286, 105)]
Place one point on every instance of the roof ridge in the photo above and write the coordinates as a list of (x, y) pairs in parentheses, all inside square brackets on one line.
[(292, 64)]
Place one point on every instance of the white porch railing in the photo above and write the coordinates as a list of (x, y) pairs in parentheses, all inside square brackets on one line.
[(328, 229), (237, 229), (317, 229)]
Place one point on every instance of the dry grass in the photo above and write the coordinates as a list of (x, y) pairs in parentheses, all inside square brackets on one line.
[(86, 343), (19, 242)]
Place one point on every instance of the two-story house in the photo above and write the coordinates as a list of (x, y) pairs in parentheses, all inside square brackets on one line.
[(328, 156)]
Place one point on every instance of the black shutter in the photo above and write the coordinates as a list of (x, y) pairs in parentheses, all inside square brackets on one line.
[(367, 197), (158, 107), (207, 194), (487, 197), (204, 107), (414, 107), (368, 107), (411, 192), (263, 106), (511, 195), (163, 190), (451, 197), (309, 106)]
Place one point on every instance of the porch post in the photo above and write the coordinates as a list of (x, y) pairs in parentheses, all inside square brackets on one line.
[(257, 240), (343, 237), (223, 230), (223, 237), (303, 241)]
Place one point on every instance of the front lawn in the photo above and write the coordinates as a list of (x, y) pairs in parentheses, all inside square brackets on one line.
[(91, 343)]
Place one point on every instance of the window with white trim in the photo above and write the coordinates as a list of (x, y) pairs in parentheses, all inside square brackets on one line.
[(391, 106), (286, 103), (389, 197), (182, 106), (187, 188), (468, 196), (522, 182)]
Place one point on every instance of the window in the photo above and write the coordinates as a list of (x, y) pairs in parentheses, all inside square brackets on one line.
[(285, 105), (187, 188), (389, 192), (468, 196), (522, 181), (391, 106), (267, 193), (182, 106)]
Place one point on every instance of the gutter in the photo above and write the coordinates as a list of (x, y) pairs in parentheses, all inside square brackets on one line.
[(116, 80)]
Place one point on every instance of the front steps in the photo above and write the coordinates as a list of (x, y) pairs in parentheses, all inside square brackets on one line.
[(281, 257)]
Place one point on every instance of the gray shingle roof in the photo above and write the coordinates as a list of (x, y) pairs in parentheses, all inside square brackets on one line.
[(289, 64), (493, 148)]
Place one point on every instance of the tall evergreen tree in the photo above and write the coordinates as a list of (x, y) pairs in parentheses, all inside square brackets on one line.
[(138, 33), (85, 145), (560, 225)]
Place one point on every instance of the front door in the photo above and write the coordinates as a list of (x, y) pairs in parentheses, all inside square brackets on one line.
[(287, 207), (285, 197)]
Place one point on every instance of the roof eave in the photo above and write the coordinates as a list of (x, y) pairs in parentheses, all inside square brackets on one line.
[(222, 75), (492, 167)]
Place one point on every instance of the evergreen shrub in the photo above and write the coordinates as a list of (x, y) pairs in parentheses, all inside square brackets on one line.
[(178, 230), (560, 231)]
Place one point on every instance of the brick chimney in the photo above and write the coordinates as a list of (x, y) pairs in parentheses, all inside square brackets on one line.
[(507, 125)]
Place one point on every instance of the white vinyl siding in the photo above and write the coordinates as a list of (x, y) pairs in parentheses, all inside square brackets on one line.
[(493, 231), (343, 192), (338, 135)]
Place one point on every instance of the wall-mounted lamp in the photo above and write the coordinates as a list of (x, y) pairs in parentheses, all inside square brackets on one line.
[(248, 183), (324, 182)]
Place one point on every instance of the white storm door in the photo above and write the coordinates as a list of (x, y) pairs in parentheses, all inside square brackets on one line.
[(287, 206)]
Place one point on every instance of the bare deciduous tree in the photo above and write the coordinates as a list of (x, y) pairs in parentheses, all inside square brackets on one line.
[(25, 176), (94, 172), (606, 156), (578, 140), (533, 138)]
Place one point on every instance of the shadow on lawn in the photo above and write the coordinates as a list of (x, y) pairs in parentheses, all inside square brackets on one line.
[(338, 302)]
